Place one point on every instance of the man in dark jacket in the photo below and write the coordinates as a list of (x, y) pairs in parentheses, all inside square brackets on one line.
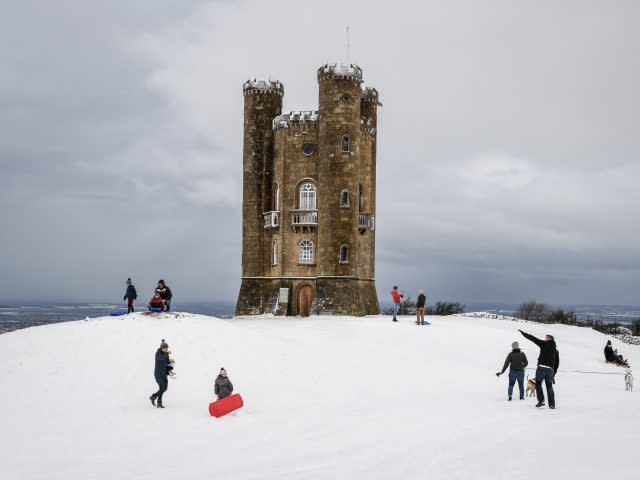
[(223, 386), (165, 294), (548, 363), (420, 307), (160, 372), (518, 361), (130, 295)]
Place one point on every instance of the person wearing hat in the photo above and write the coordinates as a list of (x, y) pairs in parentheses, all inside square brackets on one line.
[(160, 373), (223, 386), (548, 363), (420, 307), (165, 294), (517, 361), (130, 295), (397, 298)]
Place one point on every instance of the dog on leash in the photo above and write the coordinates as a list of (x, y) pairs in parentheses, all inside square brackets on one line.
[(531, 387), (628, 379)]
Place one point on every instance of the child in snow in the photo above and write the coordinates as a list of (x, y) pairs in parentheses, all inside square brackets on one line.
[(157, 302), (397, 298), (518, 361), (223, 386), (130, 295)]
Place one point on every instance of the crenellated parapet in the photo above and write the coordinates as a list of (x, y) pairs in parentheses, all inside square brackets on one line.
[(370, 95), (334, 71), (295, 118), (265, 87)]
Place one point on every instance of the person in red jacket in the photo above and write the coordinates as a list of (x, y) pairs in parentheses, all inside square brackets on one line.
[(157, 302), (397, 298)]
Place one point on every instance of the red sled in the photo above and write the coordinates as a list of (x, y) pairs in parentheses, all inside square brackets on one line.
[(225, 405)]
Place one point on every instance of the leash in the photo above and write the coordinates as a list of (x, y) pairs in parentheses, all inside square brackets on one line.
[(582, 371)]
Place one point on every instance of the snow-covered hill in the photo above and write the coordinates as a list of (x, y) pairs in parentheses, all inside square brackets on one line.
[(325, 398)]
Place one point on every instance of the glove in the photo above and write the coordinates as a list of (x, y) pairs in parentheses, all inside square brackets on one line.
[(498, 374)]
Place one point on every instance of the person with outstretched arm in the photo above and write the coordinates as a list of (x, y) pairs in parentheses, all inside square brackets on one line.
[(160, 373), (548, 363), (517, 361)]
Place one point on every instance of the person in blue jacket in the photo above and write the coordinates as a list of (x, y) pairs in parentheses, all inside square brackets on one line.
[(130, 296)]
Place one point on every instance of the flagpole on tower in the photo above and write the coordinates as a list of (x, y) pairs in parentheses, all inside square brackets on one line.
[(348, 59)]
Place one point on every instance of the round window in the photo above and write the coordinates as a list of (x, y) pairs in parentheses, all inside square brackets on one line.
[(308, 148)]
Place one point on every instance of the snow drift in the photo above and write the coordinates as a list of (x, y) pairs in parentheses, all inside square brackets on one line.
[(325, 397)]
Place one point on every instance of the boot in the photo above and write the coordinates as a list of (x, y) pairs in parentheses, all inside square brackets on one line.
[(153, 399), (159, 405), (540, 404), (509, 397)]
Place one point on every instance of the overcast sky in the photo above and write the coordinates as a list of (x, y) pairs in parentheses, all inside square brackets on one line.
[(508, 159)]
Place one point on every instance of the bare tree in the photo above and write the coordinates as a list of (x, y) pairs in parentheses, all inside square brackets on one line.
[(532, 311)]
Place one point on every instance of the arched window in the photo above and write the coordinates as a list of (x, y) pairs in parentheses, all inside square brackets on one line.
[(276, 197), (344, 254), (345, 144), (344, 199), (307, 196), (306, 251), (274, 260)]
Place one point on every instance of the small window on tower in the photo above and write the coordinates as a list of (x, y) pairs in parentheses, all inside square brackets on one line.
[(346, 98), (344, 254), (344, 199), (274, 260), (308, 148), (345, 144)]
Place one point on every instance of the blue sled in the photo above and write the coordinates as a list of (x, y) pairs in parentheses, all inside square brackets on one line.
[(118, 313), (155, 309)]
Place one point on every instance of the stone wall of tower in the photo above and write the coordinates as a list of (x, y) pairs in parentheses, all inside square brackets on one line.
[(262, 102)]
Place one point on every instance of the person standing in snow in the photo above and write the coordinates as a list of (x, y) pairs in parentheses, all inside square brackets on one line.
[(548, 363), (397, 298), (223, 386), (160, 373), (420, 304), (165, 294), (517, 361), (130, 295)]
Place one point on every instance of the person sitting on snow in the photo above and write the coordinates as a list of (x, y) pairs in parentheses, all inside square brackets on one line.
[(611, 355), (223, 386), (518, 361), (157, 302)]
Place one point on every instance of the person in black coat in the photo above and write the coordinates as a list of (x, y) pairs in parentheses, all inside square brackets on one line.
[(130, 295), (165, 294), (160, 373), (420, 304), (223, 386), (548, 363), (611, 356)]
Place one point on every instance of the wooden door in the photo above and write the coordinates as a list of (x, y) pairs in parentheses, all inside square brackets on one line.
[(305, 298)]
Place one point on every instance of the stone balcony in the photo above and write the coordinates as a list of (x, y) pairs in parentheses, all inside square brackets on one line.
[(305, 220), (366, 221), (271, 220)]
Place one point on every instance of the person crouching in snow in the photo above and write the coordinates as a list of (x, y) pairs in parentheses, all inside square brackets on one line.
[(397, 298), (518, 361), (223, 386), (130, 295), (157, 302)]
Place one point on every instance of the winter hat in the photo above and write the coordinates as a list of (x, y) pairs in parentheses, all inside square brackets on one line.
[(128, 281), (515, 346), (160, 282), (608, 342), (223, 372), (164, 344), (395, 287), (420, 291)]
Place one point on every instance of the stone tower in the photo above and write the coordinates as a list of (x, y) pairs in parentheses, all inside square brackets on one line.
[(308, 211)]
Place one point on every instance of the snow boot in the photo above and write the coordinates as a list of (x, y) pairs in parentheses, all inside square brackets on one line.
[(395, 319), (552, 407), (509, 398), (153, 399), (540, 404), (159, 405)]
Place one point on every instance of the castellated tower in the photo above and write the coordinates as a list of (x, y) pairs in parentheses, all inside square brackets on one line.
[(308, 243)]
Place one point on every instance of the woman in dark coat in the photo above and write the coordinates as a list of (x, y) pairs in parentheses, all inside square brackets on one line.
[(160, 373), (223, 386)]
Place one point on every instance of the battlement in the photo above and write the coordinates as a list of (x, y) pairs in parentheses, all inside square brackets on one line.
[(266, 87), (334, 71), (287, 120), (370, 94)]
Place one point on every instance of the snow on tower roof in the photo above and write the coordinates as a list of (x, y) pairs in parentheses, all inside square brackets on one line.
[(340, 71), (370, 94), (297, 116), (263, 86)]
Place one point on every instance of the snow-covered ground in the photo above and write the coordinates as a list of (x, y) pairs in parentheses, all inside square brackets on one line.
[(325, 398)]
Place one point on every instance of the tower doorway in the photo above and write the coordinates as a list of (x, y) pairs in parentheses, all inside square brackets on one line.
[(305, 299)]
